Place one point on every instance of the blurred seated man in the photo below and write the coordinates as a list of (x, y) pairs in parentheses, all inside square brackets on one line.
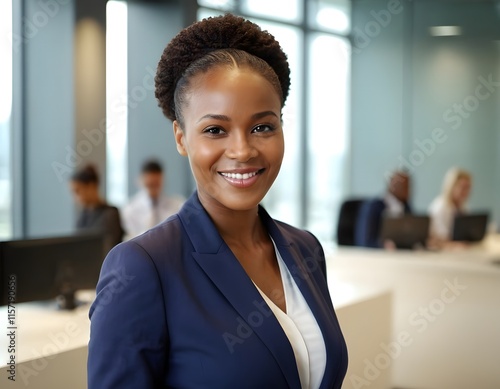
[(95, 213), (149, 206), (393, 204)]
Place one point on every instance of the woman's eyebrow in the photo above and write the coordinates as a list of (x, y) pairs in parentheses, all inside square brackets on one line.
[(260, 115), (225, 118), (214, 116)]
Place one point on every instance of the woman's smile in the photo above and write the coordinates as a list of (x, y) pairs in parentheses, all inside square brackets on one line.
[(242, 178)]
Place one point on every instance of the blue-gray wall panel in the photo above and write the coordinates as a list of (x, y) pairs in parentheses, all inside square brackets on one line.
[(150, 27), (48, 118)]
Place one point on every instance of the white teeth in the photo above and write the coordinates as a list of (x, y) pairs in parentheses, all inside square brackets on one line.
[(238, 176)]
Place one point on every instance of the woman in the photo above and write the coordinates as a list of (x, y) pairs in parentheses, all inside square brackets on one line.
[(452, 201), (95, 214), (219, 295)]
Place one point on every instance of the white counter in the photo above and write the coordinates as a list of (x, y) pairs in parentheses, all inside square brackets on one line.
[(364, 314), (50, 346), (446, 313)]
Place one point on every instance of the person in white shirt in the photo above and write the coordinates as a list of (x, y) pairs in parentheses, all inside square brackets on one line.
[(451, 202), (149, 206)]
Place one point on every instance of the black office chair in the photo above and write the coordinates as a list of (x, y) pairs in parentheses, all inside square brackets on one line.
[(347, 221)]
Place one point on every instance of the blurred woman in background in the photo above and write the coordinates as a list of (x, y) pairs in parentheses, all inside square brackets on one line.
[(95, 214), (451, 202)]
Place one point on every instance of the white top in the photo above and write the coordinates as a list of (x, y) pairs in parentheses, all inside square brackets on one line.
[(139, 215), (302, 330), (442, 215), (394, 207)]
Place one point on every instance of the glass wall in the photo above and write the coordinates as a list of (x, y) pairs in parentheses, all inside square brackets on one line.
[(6, 48), (313, 33)]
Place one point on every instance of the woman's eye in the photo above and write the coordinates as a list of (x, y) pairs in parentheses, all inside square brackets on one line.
[(262, 128), (213, 131)]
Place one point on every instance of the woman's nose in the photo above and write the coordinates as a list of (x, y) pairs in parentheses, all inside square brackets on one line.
[(241, 148)]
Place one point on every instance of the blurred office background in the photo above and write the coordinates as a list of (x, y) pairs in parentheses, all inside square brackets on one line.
[(377, 85)]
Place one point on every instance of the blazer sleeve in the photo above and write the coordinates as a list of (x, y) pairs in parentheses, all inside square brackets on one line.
[(128, 334)]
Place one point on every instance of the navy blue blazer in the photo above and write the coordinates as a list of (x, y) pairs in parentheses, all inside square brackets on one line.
[(368, 224), (175, 309)]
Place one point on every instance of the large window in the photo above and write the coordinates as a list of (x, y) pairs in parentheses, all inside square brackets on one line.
[(327, 108), (6, 47), (116, 101), (310, 186)]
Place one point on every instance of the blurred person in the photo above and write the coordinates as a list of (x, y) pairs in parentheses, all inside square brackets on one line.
[(149, 206), (452, 201), (395, 203), (95, 213)]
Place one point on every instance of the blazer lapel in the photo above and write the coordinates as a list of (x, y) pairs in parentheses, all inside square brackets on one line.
[(222, 267), (301, 268)]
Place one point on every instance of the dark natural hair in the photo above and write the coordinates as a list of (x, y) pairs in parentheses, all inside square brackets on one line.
[(86, 175), (151, 166), (227, 40)]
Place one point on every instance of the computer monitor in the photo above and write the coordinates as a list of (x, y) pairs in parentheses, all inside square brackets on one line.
[(470, 227), (47, 268), (407, 232)]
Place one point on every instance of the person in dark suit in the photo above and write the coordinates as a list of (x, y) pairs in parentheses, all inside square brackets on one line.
[(95, 213), (219, 295), (395, 203)]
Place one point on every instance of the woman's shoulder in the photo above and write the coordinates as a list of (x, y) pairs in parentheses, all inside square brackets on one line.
[(158, 244), (165, 236), (297, 235)]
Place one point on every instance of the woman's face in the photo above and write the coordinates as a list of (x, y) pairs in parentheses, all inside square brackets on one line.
[(461, 191), (233, 137), (83, 193)]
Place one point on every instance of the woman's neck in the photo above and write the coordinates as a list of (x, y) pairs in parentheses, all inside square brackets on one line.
[(240, 228)]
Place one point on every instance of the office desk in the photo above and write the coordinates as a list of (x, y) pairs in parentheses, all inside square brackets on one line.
[(446, 313)]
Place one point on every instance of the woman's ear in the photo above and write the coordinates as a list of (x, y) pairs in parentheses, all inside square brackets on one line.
[(179, 139)]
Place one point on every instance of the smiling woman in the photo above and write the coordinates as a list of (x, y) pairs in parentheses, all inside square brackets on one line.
[(234, 298)]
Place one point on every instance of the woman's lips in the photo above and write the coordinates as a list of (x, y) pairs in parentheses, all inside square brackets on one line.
[(242, 180)]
